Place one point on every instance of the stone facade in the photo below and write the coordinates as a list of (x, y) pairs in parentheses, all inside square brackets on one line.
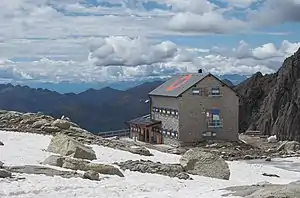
[(195, 112), (207, 110)]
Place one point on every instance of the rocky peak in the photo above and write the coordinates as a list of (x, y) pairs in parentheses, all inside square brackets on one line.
[(271, 103), (280, 111)]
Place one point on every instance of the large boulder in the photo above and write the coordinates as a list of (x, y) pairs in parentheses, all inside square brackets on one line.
[(62, 124), (291, 190), (104, 169), (143, 166), (84, 165), (65, 145), (34, 169), (54, 160), (140, 150), (197, 162), (1, 164), (4, 173)]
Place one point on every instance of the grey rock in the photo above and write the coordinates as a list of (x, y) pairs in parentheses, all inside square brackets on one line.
[(39, 123), (54, 160), (268, 159), (183, 175), (290, 147), (140, 150), (51, 129), (4, 173), (67, 146), (1, 164), (91, 175), (34, 169), (75, 164), (197, 162), (270, 103), (104, 169), (63, 124), (143, 166), (248, 157), (84, 165), (291, 190), (270, 175), (1, 143)]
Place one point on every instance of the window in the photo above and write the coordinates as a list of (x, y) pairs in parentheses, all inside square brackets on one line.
[(196, 91), (215, 91), (209, 134), (163, 111), (168, 112), (214, 120)]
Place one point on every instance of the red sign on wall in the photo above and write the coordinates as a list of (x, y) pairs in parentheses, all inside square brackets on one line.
[(178, 83)]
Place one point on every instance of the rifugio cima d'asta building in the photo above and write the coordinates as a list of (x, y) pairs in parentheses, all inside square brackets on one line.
[(189, 108)]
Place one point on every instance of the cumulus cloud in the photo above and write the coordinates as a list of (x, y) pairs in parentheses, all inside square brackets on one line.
[(275, 12), (131, 52), (80, 40), (124, 58)]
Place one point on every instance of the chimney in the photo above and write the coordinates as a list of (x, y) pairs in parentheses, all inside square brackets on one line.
[(200, 71)]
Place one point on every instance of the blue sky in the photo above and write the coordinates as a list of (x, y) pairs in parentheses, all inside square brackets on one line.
[(98, 42)]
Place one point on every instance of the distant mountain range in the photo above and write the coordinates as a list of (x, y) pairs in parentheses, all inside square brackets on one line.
[(71, 87), (95, 110)]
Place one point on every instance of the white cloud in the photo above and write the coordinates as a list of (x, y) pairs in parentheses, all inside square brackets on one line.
[(70, 40), (131, 52), (124, 58), (241, 3), (207, 22)]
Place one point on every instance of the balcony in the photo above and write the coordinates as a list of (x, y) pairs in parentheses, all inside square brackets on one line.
[(215, 124)]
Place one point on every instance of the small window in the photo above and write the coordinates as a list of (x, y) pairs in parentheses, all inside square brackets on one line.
[(160, 110), (168, 112), (196, 91), (176, 112), (173, 112), (163, 111), (215, 91)]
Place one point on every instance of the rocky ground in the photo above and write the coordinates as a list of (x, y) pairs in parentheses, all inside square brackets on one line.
[(251, 147), (47, 125), (266, 190)]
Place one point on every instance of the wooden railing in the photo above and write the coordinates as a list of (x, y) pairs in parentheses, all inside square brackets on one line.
[(118, 133)]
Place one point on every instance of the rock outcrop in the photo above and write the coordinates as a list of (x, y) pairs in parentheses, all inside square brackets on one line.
[(81, 164), (291, 190), (271, 103), (147, 166), (5, 173), (42, 170), (67, 146), (197, 162), (43, 124)]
